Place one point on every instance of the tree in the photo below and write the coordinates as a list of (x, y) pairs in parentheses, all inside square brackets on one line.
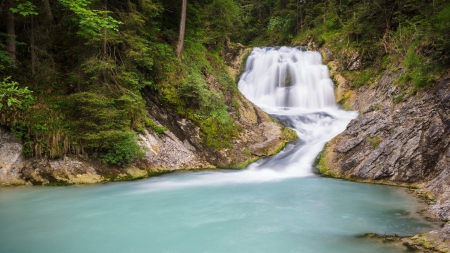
[(182, 28), (25, 9), (11, 31), (48, 11)]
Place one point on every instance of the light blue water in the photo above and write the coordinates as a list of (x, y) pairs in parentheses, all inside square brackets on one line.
[(276, 205), (199, 212)]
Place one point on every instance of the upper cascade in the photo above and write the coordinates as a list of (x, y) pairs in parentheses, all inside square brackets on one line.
[(287, 77)]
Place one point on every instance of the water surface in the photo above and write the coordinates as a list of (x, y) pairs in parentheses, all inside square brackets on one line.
[(275, 205), (200, 212)]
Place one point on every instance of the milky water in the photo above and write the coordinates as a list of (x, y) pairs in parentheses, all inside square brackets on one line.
[(275, 205)]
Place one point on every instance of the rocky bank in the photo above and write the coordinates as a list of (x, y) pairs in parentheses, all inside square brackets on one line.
[(178, 148), (400, 137)]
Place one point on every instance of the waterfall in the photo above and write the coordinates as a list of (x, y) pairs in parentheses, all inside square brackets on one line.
[(294, 86), (287, 78)]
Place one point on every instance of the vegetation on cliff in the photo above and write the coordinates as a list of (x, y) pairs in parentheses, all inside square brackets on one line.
[(81, 66), (72, 70)]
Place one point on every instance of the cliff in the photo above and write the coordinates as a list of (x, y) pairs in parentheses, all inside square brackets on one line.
[(401, 137)]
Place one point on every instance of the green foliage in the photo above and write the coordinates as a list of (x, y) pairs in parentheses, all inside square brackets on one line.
[(440, 33), (218, 129), (375, 141), (199, 88), (87, 87), (221, 20), (415, 33), (91, 22), (26, 8), (13, 101), (121, 152), (159, 130), (417, 73), (363, 78), (5, 60), (398, 98), (102, 125)]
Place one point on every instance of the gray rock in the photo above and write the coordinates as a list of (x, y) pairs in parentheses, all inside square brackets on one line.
[(413, 144)]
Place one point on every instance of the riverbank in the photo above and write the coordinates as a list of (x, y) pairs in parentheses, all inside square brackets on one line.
[(433, 241), (178, 146), (400, 138), (163, 155)]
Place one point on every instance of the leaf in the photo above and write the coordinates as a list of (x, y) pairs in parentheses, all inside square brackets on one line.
[(24, 9)]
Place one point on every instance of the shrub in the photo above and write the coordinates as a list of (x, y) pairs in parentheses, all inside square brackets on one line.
[(362, 79), (121, 152), (13, 100), (101, 125)]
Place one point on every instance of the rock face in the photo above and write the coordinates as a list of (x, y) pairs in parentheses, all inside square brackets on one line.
[(163, 154), (399, 138), (259, 136), (11, 159), (404, 142), (179, 148)]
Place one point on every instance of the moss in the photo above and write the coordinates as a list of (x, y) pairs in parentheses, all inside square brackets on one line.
[(158, 173), (159, 130), (12, 184), (244, 164), (425, 195), (375, 141), (289, 134), (321, 166), (363, 78), (423, 242), (247, 152), (279, 148), (59, 183), (397, 99), (344, 102)]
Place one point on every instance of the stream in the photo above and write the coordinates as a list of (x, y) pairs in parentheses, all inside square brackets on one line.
[(275, 205)]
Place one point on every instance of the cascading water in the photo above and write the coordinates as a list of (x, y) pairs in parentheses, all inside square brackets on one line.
[(293, 85), (287, 77)]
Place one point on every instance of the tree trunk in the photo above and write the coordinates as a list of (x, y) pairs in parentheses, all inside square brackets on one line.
[(48, 11), (11, 31), (32, 47), (105, 30), (182, 28)]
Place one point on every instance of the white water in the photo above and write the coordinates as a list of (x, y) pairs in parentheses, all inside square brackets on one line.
[(287, 77), (294, 86)]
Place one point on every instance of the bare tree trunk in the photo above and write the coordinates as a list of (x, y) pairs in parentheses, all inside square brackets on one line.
[(11, 31), (48, 11), (32, 47), (105, 30), (182, 28), (301, 19)]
